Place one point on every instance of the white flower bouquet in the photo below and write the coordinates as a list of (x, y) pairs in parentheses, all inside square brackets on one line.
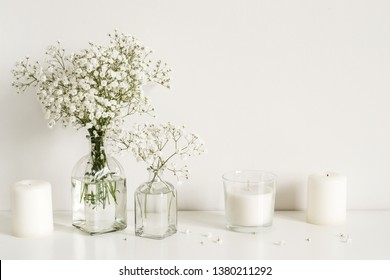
[(95, 88), (163, 147)]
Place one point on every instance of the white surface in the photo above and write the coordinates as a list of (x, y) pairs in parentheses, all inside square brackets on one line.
[(292, 87), (368, 230)]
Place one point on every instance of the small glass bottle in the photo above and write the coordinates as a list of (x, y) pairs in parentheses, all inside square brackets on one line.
[(155, 204)]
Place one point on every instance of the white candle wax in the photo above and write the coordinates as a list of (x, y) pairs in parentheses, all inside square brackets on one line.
[(31, 205), (326, 198), (249, 206)]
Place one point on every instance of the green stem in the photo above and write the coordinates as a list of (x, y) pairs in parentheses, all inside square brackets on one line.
[(99, 174)]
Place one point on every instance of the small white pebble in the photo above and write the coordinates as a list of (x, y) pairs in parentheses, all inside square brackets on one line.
[(346, 239), (209, 235), (219, 240), (280, 243), (308, 239)]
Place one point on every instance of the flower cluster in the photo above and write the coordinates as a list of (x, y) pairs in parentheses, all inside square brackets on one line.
[(96, 87), (158, 145)]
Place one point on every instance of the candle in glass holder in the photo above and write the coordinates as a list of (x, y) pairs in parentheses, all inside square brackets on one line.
[(326, 198), (249, 200), (250, 206), (31, 207)]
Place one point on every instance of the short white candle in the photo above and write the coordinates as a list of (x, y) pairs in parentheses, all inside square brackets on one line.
[(326, 198), (249, 199), (249, 207), (31, 206)]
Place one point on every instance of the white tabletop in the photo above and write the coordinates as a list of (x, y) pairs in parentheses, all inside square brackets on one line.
[(289, 238)]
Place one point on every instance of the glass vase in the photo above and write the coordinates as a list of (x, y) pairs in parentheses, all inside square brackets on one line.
[(99, 194), (155, 204)]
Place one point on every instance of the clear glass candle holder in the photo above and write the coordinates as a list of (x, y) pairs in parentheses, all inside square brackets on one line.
[(249, 200)]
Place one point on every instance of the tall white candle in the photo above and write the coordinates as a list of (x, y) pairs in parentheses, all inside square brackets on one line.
[(249, 207), (31, 206), (326, 198)]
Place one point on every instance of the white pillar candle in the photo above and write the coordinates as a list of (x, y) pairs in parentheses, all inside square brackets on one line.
[(249, 207), (326, 198), (31, 206)]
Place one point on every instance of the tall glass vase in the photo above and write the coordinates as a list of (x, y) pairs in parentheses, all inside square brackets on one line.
[(155, 204), (99, 194)]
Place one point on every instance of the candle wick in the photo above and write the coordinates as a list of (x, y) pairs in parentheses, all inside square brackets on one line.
[(327, 175)]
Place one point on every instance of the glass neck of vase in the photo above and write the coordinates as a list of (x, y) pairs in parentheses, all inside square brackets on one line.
[(98, 157), (155, 175), (96, 140)]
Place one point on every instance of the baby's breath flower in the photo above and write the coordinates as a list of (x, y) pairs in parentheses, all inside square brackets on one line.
[(159, 146), (92, 87), (51, 123)]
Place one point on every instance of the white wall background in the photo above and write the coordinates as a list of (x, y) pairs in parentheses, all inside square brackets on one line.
[(292, 87)]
